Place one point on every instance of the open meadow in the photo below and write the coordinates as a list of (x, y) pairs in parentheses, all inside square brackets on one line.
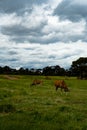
[(41, 107)]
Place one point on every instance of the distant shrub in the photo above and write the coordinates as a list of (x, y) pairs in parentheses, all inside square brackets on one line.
[(7, 108), (65, 108)]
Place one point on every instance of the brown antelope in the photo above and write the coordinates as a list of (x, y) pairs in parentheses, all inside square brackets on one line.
[(36, 82), (61, 84)]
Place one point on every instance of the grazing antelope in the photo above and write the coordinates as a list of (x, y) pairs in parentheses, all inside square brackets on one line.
[(36, 82), (61, 84)]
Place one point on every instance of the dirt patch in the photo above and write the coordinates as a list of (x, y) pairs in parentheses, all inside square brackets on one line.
[(10, 77)]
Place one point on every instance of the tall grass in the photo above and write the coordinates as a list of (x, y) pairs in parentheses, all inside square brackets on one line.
[(41, 107)]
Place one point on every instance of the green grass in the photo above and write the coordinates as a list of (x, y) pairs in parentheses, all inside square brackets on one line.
[(41, 107)]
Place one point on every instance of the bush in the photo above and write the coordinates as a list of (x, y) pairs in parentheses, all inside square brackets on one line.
[(7, 108)]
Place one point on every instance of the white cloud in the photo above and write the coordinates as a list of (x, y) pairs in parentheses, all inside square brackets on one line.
[(9, 19), (37, 55), (38, 38), (54, 3), (63, 30), (41, 26)]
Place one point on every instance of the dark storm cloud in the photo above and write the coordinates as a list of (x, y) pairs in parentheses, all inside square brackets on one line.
[(12, 52), (19, 30), (18, 6), (20, 33), (73, 10)]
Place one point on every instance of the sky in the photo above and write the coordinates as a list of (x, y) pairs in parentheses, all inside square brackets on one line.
[(40, 33)]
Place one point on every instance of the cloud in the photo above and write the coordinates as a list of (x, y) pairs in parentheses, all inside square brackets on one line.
[(64, 31), (40, 55), (18, 6), (33, 35), (40, 27), (23, 27), (73, 10)]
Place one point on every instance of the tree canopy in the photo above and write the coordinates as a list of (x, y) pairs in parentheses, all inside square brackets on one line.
[(78, 68)]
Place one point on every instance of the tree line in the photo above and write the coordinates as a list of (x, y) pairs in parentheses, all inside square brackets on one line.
[(78, 68)]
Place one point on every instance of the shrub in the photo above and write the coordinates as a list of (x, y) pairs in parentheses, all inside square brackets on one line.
[(7, 108)]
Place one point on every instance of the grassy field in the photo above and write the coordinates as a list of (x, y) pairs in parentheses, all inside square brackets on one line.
[(41, 107)]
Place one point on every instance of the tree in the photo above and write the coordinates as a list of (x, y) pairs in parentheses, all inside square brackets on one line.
[(1, 70), (6, 70), (79, 68), (54, 70)]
